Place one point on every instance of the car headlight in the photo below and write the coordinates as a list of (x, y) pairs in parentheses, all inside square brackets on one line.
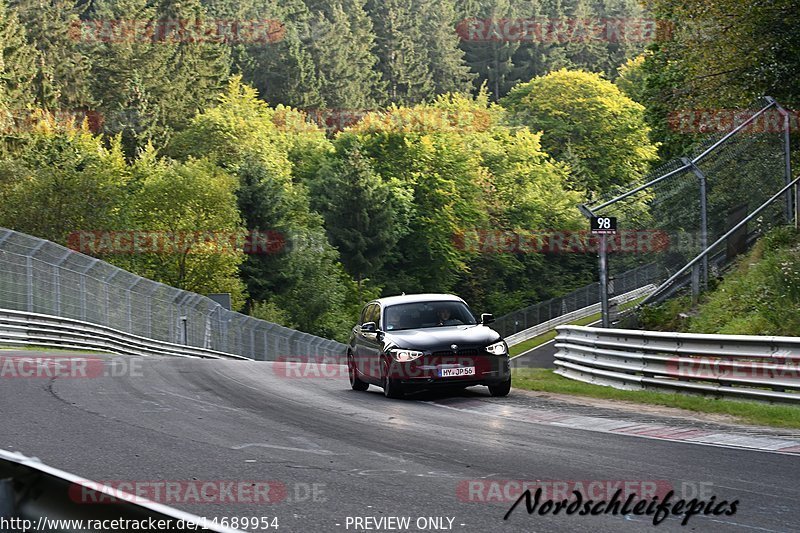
[(498, 348), (404, 356)]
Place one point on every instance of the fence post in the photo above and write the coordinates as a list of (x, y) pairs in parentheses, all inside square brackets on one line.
[(29, 275), (792, 200), (703, 219), (604, 282)]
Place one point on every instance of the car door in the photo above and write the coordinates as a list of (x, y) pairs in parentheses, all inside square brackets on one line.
[(371, 345), (360, 350)]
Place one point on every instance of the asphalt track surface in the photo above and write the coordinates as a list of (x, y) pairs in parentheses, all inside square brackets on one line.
[(367, 456)]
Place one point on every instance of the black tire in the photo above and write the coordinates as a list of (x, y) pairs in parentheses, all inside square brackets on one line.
[(355, 382), (501, 389), (391, 388)]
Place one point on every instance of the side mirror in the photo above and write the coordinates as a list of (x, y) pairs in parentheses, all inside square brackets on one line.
[(487, 318), (369, 327)]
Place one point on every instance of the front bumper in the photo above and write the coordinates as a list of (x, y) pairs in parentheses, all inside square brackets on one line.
[(425, 371)]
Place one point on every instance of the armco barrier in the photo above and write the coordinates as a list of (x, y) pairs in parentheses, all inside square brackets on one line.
[(18, 328), (736, 366)]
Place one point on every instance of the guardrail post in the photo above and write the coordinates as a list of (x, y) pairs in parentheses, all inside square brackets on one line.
[(185, 329)]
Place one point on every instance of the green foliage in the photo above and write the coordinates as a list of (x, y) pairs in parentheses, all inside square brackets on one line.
[(262, 147), (270, 312), (357, 209), (732, 51), (62, 180), (588, 123), (129, 72), (187, 199), (17, 64), (342, 54), (761, 296), (401, 51), (63, 72)]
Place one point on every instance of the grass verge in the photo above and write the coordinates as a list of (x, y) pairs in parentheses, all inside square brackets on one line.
[(748, 412), (50, 349)]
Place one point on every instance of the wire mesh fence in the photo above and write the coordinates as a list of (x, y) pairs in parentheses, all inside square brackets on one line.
[(39, 276), (695, 200), (536, 314)]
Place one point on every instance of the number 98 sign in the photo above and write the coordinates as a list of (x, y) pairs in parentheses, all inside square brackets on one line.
[(604, 225)]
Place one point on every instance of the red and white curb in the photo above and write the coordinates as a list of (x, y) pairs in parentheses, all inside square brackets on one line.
[(728, 439)]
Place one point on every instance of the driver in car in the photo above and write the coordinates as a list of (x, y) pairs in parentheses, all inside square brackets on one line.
[(443, 314)]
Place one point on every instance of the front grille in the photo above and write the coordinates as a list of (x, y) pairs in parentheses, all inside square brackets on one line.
[(463, 352)]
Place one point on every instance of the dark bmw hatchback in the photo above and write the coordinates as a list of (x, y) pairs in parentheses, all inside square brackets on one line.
[(425, 341)]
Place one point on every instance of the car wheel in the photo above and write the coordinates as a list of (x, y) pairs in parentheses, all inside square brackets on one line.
[(356, 383), (391, 388), (501, 389)]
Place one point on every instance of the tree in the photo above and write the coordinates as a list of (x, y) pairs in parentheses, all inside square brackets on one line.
[(449, 71), (195, 201), (402, 57), (342, 54), (588, 123), (17, 62), (62, 180), (358, 214), (490, 57), (301, 279), (282, 69), (63, 71), (733, 51)]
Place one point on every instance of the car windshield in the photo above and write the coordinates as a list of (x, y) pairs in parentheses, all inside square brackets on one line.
[(419, 315)]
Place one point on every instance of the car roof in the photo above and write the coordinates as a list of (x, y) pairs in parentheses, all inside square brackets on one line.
[(413, 298)]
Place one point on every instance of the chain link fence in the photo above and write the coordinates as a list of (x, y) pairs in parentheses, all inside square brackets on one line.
[(539, 313), (39, 276), (695, 200)]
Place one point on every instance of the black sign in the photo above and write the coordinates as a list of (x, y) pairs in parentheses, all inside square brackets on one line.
[(604, 225)]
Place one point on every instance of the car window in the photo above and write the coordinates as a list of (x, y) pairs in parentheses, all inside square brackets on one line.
[(419, 315)]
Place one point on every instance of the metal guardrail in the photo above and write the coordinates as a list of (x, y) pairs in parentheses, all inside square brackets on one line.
[(33, 491), (19, 328), (590, 310), (737, 366)]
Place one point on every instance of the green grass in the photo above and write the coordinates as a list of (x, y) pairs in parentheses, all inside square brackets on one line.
[(749, 412), (550, 335)]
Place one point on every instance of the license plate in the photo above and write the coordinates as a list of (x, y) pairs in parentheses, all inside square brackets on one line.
[(456, 372)]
